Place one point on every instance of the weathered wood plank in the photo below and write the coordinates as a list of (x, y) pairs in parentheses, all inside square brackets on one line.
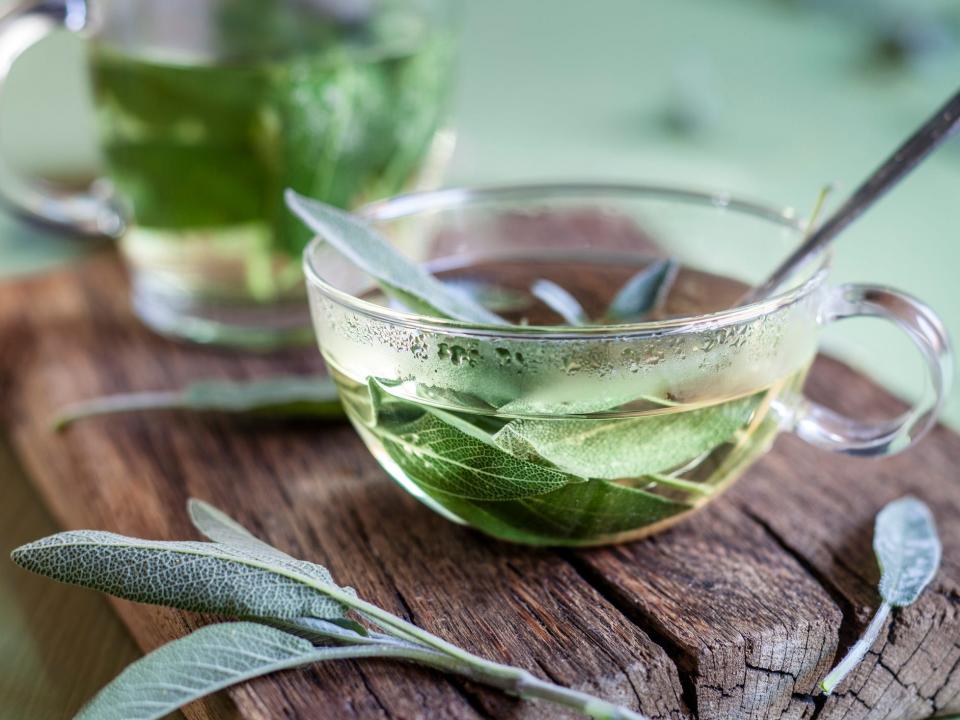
[(752, 632), (56, 649), (732, 615), (314, 491), (825, 517)]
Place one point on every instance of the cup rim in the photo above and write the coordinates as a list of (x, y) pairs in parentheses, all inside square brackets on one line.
[(408, 204)]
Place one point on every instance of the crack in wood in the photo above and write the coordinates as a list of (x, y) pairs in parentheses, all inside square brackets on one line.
[(849, 628), (848, 631), (683, 663)]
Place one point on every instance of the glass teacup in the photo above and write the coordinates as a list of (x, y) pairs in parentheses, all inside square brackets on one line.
[(549, 434), (208, 109)]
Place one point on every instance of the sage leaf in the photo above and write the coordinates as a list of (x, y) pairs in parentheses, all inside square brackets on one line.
[(399, 277), (387, 407), (457, 461), (495, 298), (228, 576), (626, 447), (221, 528), (197, 576), (567, 397), (209, 659), (908, 550), (644, 292), (436, 395), (450, 454), (291, 396), (560, 301), (324, 632)]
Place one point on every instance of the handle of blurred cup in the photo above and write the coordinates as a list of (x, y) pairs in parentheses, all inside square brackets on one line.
[(91, 212), (828, 429)]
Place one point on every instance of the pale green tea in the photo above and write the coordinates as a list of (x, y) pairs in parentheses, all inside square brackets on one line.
[(200, 145), (579, 457)]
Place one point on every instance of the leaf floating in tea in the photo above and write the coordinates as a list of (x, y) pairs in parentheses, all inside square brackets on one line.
[(560, 301), (644, 292), (398, 276), (295, 614), (292, 396), (630, 446), (908, 550)]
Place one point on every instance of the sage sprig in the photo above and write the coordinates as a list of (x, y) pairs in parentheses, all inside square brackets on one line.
[(291, 396), (399, 277), (908, 550), (291, 612)]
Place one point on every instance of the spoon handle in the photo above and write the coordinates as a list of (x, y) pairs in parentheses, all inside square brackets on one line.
[(941, 125)]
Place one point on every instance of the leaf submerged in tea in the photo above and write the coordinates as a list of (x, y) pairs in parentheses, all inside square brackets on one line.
[(548, 482)]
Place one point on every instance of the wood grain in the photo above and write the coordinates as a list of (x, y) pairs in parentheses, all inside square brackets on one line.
[(55, 647), (733, 615)]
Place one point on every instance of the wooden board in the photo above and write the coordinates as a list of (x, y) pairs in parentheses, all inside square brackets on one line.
[(55, 647), (735, 614)]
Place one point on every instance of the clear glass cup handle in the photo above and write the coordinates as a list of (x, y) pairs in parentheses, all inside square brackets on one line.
[(828, 429), (22, 24)]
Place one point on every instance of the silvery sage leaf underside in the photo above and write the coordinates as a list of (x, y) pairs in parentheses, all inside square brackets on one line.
[(198, 576), (207, 660), (293, 604), (908, 550)]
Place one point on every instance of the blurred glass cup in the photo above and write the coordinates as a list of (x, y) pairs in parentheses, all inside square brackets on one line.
[(208, 109)]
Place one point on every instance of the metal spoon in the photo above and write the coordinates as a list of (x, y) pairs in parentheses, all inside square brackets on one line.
[(941, 125)]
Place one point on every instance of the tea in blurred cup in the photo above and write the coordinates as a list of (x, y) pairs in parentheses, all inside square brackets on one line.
[(207, 109)]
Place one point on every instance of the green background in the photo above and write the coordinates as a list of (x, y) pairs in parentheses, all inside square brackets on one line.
[(781, 96), (784, 96)]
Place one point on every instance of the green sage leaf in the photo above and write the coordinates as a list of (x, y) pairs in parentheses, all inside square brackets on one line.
[(323, 632), (453, 455), (203, 577), (560, 301), (457, 461), (644, 292), (209, 659), (292, 396), (242, 575), (398, 276), (626, 447)]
